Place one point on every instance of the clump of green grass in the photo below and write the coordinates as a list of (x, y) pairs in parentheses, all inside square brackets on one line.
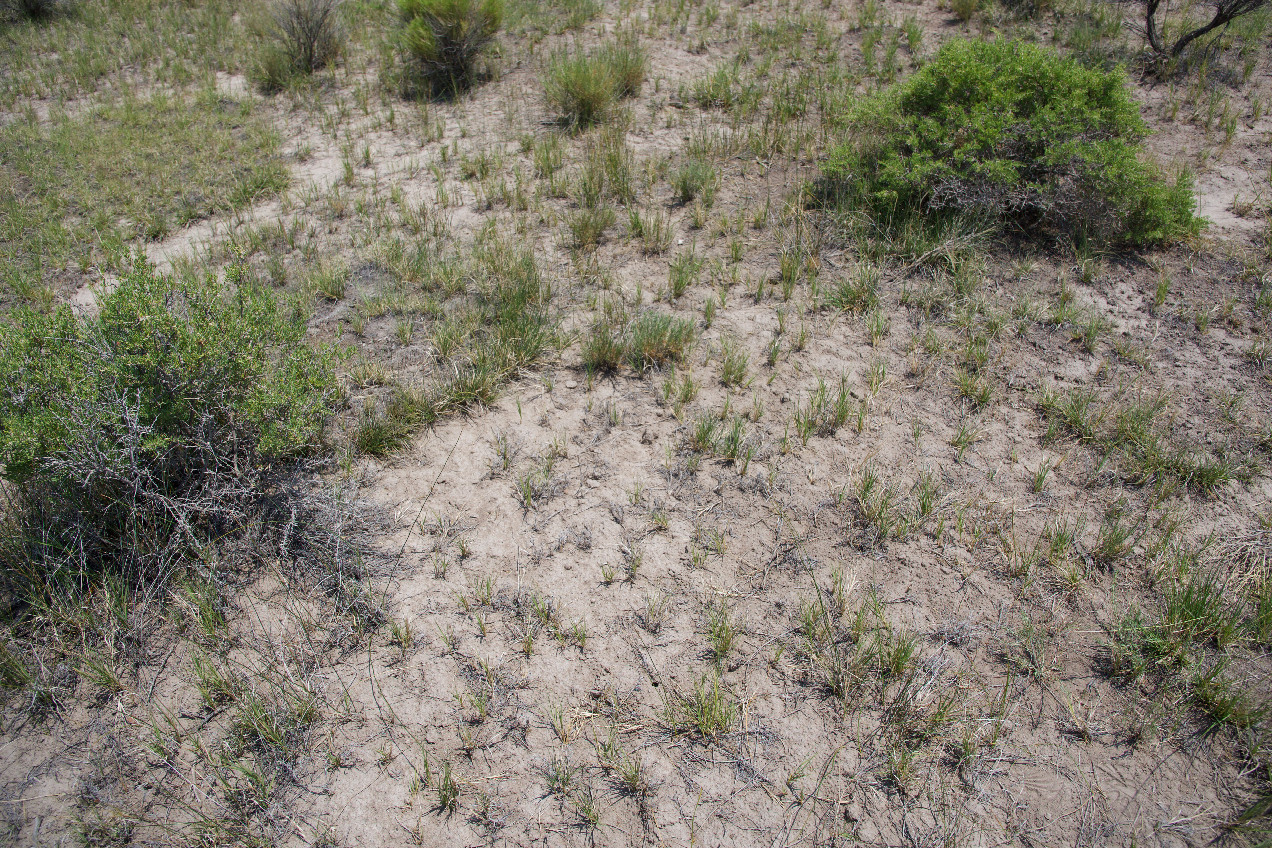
[(588, 225), (653, 230), (651, 340), (733, 363), (696, 179), (1135, 432), (683, 273), (604, 349), (583, 87), (657, 338), (706, 711), (857, 293), (1010, 134), (628, 65), (441, 40), (824, 413)]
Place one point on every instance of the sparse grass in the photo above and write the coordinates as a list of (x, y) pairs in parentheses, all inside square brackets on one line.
[(1135, 432), (513, 326), (77, 190), (163, 45)]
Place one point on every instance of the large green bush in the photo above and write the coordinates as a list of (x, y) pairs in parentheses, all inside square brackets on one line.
[(1015, 135), (442, 39), (128, 436)]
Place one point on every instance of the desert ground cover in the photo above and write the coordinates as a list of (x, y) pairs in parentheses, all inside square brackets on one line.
[(634, 422)]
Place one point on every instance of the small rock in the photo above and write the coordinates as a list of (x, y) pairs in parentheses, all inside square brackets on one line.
[(867, 832), (854, 812), (569, 567), (570, 384)]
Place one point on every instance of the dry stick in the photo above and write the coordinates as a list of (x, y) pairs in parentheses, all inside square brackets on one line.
[(436, 480), (370, 667)]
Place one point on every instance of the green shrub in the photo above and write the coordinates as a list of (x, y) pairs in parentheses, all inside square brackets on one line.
[(1010, 134), (131, 436), (442, 39), (302, 36), (34, 9), (582, 87)]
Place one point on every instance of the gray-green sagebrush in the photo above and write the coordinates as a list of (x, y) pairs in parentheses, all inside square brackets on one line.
[(129, 436)]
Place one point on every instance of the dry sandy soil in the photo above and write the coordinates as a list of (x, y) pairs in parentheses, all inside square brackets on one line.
[(595, 629)]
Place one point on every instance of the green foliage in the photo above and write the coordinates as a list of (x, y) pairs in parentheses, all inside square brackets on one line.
[(35, 10), (442, 39), (301, 37), (140, 428), (1008, 133)]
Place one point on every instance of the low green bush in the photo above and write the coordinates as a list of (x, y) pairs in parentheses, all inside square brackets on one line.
[(34, 9), (1013, 135), (131, 436), (300, 37), (442, 39)]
